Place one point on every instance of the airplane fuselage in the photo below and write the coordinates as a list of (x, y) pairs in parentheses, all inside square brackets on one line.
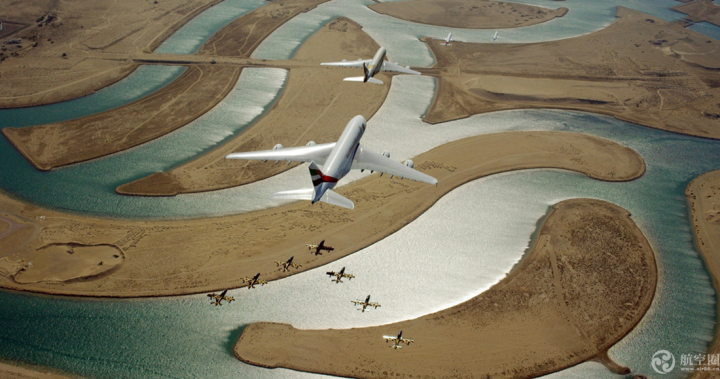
[(448, 39), (339, 162), (376, 63)]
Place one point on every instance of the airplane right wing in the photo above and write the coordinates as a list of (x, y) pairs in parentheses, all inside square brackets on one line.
[(358, 63), (316, 153), (370, 160), (389, 66)]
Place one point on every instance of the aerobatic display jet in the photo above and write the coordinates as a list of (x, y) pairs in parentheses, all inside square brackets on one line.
[(371, 67), (287, 264), (398, 340), (219, 298), (339, 275), (317, 249), (337, 159), (252, 282), (365, 303)]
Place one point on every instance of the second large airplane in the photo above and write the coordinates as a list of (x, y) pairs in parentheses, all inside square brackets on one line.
[(336, 159)]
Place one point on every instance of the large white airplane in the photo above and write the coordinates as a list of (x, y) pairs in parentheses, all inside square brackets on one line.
[(495, 36), (371, 67), (337, 159), (448, 39)]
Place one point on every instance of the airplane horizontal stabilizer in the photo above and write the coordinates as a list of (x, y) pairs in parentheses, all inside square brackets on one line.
[(329, 197), (332, 197), (362, 78)]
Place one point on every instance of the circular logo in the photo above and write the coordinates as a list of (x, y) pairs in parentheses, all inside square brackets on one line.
[(663, 362)]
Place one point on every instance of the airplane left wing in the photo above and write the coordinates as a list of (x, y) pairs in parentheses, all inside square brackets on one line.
[(358, 63), (370, 160), (389, 66), (315, 153)]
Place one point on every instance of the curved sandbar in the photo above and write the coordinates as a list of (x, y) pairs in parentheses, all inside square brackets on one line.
[(703, 196), (191, 256), (468, 14), (316, 103), (194, 93), (640, 69), (97, 38), (587, 282)]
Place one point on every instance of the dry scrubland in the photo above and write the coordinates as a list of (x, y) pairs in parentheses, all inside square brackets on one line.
[(639, 69), (189, 256), (469, 15), (703, 196), (587, 282)]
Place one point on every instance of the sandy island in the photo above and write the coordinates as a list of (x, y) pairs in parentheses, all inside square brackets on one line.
[(640, 69), (703, 196), (586, 283), (480, 14), (58, 57), (205, 257)]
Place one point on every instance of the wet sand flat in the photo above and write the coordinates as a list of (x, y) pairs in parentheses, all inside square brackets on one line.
[(192, 256), (468, 14), (639, 69), (586, 283)]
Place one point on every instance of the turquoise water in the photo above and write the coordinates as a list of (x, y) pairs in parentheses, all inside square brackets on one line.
[(707, 29), (142, 82), (486, 230), (89, 187), (190, 38)]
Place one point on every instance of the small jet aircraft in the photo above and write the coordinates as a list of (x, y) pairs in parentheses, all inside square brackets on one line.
[(219, 298), (318, 248), (254, 281), (339, 275), (371, 67), (337, 159), (398, 340), (495, 36), (448, 39), (287, 264), (365, 303)]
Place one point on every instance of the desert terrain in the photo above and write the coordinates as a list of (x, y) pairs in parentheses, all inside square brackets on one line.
[(703, 196), (468, 15), (586, 283)]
